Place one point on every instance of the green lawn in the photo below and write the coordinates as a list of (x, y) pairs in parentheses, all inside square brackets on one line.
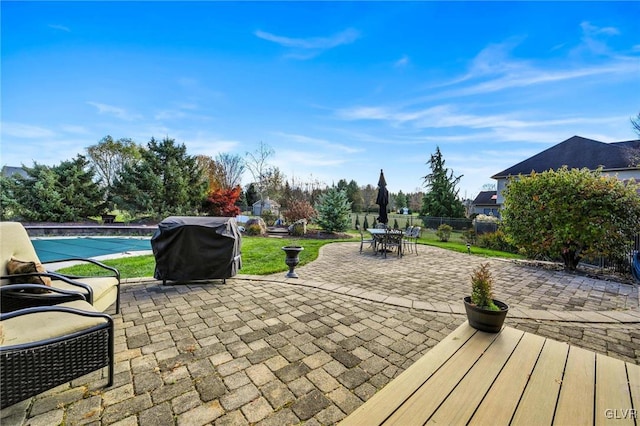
[(263, 256)]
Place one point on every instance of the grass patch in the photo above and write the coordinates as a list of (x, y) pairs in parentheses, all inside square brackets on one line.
[(264, 256)]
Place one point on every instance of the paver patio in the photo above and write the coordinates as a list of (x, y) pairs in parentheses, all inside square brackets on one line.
[(276, 351)]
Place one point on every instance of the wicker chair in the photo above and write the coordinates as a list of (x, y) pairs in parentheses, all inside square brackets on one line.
[(100, 291), (45, 346)]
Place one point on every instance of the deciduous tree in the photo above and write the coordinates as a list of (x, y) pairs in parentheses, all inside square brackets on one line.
[(108, 157), (571, 214), (222, 202)]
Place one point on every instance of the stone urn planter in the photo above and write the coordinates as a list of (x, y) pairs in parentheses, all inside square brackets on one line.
[(292, 259), (483, 311)]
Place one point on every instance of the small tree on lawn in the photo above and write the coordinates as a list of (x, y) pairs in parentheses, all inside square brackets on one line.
[(222, 202), (333, 211), (571, 214), (299, 209)]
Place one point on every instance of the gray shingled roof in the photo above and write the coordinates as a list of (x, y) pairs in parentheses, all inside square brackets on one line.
[(578, 152), (485, 198)]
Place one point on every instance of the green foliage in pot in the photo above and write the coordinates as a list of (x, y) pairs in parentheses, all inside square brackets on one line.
[(482, 288)]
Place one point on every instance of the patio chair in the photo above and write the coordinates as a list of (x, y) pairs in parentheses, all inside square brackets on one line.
[(100, 291), (392, 240), (363, 241), (45, 346), (411, 239)]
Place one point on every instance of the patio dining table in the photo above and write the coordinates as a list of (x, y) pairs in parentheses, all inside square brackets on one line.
[(379, 235)]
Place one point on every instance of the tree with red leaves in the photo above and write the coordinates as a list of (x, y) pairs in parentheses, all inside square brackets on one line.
[(222, 202)]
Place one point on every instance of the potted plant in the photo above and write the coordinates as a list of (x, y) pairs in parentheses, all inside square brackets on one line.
[(483, 311)]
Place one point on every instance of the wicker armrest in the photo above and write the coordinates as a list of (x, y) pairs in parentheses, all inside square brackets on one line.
[(50, 345)]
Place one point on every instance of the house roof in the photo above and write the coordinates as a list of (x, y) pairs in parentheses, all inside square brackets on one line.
[(578, 152), (8, 171), (485, 198)]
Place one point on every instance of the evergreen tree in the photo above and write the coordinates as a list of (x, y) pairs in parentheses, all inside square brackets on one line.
[(333, 211), (252, 195), (355, 196), (64, 193), (166, 181), (441, 199), (401, 200)]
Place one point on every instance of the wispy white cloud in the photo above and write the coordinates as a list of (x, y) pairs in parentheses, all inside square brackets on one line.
[(495, 69), (402, 62), (284, 158), (26, 131), (75, 129), (60, 28), (306, 48), (118, 112), (306, 140)]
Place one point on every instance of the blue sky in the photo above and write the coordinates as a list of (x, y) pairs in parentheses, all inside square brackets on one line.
[(337, 89)]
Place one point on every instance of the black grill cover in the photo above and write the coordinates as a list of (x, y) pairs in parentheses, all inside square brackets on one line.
[(196, 248)]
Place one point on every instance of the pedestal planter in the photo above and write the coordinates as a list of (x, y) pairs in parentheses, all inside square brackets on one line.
[(483, 319), (292, 259)]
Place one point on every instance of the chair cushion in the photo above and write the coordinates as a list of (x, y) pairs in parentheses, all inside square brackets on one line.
[(15, 242), (35, 327), (16, 266), (105, 290)]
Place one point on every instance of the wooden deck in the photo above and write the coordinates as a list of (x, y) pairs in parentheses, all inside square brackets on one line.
[(512, 377)]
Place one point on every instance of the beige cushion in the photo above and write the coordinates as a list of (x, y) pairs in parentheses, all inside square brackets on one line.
[(105, 291), (15, 242), (46, 325)]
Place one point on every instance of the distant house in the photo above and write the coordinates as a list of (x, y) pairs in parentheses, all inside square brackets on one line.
[(620, 159), (486, 203), (8, 171), (260, 206)]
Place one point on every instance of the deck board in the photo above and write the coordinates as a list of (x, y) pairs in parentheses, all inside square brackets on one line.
[(541, 394), (633, 374), (417, 408), (460, 406), (501, 401), (512, 377), (612, 392), (385, 402), (580, 373)]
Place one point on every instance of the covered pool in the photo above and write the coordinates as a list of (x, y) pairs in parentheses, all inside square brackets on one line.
[(52, 249)]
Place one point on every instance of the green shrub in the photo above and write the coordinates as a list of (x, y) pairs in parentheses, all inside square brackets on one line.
[(269, 217), (496, 241), (254, 230), (444, 232), (365, 225), (469, 235)]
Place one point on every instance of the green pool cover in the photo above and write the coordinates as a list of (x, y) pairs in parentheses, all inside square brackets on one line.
[(51, 249)]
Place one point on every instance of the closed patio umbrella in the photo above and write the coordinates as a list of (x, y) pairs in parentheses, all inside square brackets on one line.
[(383, 199)]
